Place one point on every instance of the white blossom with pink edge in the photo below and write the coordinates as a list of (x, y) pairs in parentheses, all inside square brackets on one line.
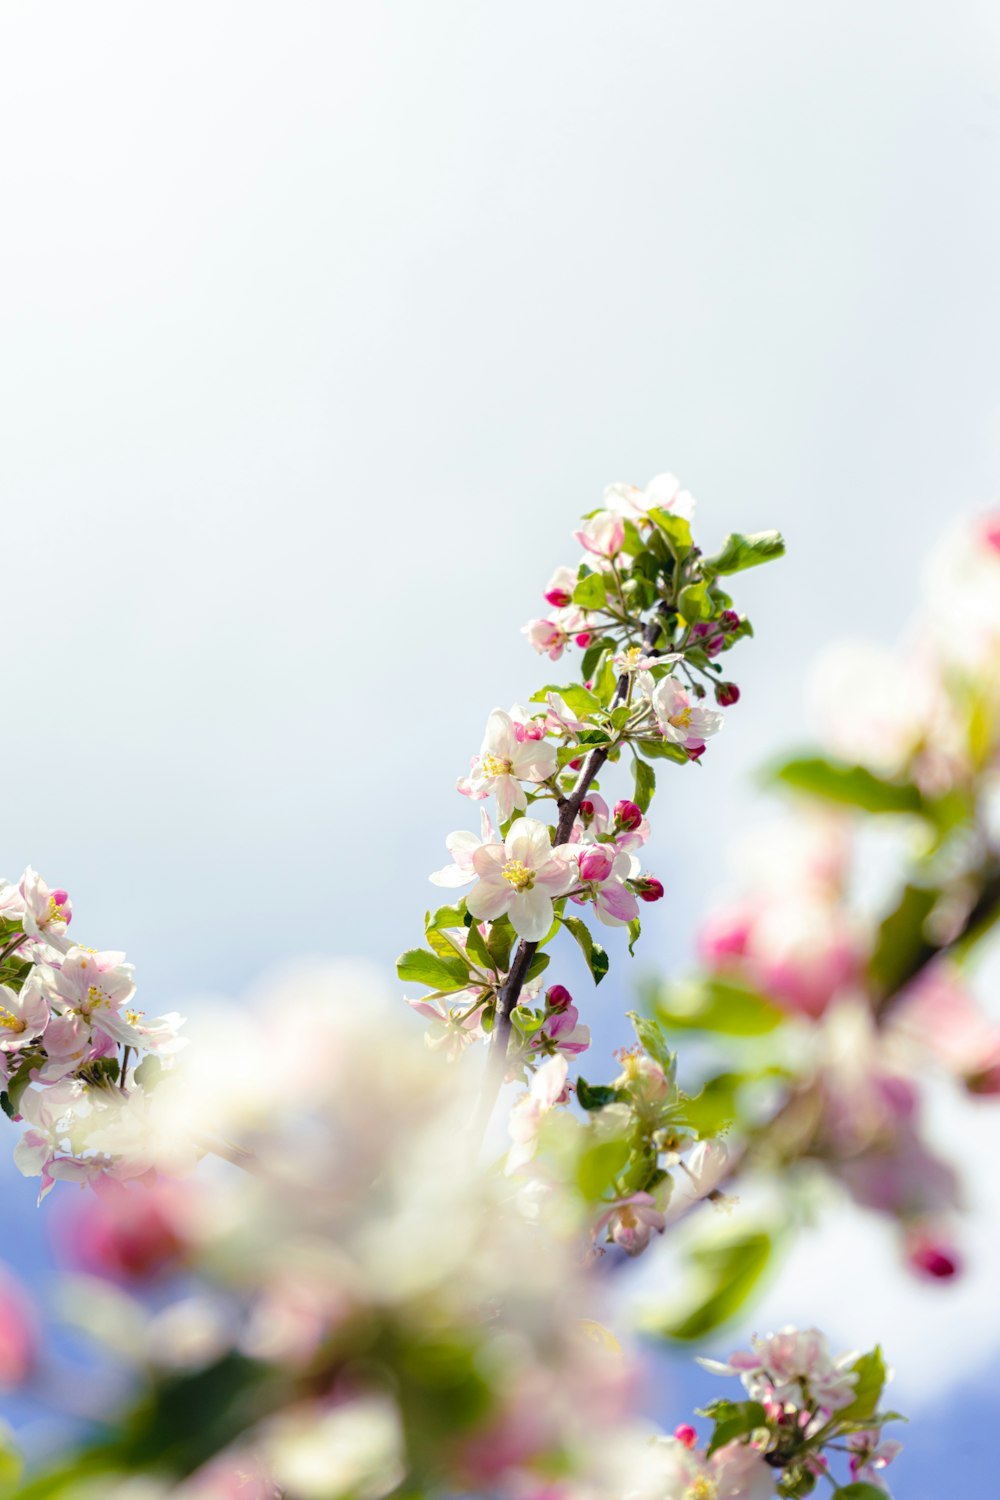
[(547, 1089), (47, 913), (462, 845), (504, 762), (24, 1016), (603, 872), (663, 492), (793, 1365), (520, 878), (736, 1472), (631, 1222), (603, 534), (681, 721)]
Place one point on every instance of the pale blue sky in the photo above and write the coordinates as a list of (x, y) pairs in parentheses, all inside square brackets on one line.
[(319, 325)]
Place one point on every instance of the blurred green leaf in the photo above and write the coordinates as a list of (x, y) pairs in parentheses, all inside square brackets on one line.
[(739, 551), (871, 1372), (852, 786), (599, 1165), (733, 1419), (712, 1004), (652, 1040), (731, 1272), (901, 946), (590, 592), (859, 1491), (694, 603), (594, 1096)]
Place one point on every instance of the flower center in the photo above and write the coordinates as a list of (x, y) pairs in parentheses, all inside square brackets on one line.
[(520, 877), (493, 765), (703, 1489), (134, 1016), (10, 1021), (681, 719), (57, 912), (96, 997)]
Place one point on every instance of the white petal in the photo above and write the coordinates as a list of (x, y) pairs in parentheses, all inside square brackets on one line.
[(530, 914)]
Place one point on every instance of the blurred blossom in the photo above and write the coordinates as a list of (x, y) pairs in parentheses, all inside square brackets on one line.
[(18, 1335)]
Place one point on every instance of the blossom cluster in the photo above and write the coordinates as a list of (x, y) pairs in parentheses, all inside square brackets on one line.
[(76, 1059), (864, 998), (366, 1309)]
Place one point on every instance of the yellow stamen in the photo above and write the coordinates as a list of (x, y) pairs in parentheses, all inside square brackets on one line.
[(520, 877), (96, 997), (681, 719), (703, 1489), (134, 1016), (493, 765), (10, 1021)]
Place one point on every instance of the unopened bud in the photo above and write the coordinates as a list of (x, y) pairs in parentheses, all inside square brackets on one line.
[(596, 862), (726, 694), (627, 815), (648, 888), (587, 810), (694, 752), (558, 997), (686, 1435), (932, 1258), (729, 620), (584, 638), (558, 598)]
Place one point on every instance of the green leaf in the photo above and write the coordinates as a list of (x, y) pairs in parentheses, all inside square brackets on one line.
[(527, 1021), (714, 1106), (694, 603), (652, 1040), (739, 551), (578, 699), (675, 530), (594, 1096), (853, 786), (901, 944), (645, 784), (590, 592), (447, 916), (147, 1075), (858, 1491), (634, 930), (730, 1272), (17, 1083), (714, 1005), (597, 959), (538, 965), (871, 1372), (418, 966), (499, 942), (598, 1167), (732, 1420), (663, 750)]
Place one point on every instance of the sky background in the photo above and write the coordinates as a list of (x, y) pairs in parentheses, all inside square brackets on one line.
[(321, 323)]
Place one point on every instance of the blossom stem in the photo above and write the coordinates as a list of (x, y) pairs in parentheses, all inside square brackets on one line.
[(569, 808)]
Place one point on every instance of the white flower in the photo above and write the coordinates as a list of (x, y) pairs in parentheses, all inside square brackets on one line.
[(547, 1087), (680, 720), (520, 878), (22, 1016), (661, 493), (504, 762), (462, 845)]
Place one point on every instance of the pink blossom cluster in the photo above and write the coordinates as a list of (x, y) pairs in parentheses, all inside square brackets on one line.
[(75, 1057)]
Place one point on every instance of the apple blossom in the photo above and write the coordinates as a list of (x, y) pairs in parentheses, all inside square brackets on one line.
[(504, 762), (631, 1221), (462, 846), (792, 1366), (871, 1454), (663, 492), (559, 589), (18, 1333), (47, 913), (24, 1016), (520, 878), (547, 637), (680, 721), (547, 1089), (603, 534)]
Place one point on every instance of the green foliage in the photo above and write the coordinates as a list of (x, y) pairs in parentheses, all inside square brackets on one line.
[(663, 750), (871, 1372), (711, 1004), (590, 592), (419, 966), (733, 1419), (598, 1167), (597, 959), (694, 603), (675, 530), (739, 551), (652, 1040), (901, 943), (728, 1274), (859, 1490), (595, 1096), (851, 786), (645, 784)]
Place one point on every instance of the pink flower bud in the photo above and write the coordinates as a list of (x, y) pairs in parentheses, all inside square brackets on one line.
[(627, 815), (648, 888), (18, 1335), (574, 765), (726, 694), (558, 598), (596, 862), (729, 620), (694, 752), (930, 1257), (991, 532), (557, 997), (584, 638), (686, 1435), (587, 810)]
